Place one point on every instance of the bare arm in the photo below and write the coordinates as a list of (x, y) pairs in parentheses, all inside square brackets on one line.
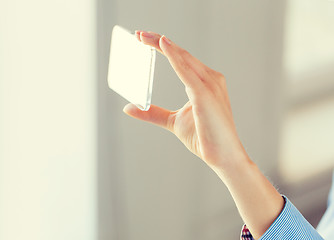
[(206, 127)]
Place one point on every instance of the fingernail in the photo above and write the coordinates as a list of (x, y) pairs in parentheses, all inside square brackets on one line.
[(166, 40), (138, 34), (146, 34), (128, 107)]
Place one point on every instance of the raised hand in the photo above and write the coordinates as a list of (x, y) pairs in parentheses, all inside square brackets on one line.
[(204, 124)]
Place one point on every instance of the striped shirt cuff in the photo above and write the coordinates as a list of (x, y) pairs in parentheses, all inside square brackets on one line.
[(290, 224)]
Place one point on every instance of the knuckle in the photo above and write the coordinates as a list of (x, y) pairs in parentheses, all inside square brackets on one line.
[(184, 64), (171, 121), (219, 76), (185, 54), (214, 75)]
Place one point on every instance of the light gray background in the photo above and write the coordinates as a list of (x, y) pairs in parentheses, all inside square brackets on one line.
[(165, 192)]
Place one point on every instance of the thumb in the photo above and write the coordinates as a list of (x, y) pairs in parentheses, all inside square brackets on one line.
[(156, 115)]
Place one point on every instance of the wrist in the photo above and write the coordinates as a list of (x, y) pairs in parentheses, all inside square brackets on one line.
[(233, 165)]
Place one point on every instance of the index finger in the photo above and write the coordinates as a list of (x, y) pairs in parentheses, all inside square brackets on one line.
[(190, 70), (149, 38)]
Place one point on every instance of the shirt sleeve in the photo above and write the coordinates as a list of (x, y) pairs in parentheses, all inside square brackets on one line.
[(290, 224)]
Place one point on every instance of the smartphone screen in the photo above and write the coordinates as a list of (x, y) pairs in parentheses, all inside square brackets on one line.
[(131, 68)]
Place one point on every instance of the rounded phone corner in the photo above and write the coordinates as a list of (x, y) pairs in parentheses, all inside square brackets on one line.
[(143, 108)]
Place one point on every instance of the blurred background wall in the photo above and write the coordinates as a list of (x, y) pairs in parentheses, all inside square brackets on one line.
[(73, 166)]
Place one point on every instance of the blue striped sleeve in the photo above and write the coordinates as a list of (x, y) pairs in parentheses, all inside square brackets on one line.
[(289, 225)]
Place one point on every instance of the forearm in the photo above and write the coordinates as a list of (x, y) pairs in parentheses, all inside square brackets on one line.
[(257, 200)]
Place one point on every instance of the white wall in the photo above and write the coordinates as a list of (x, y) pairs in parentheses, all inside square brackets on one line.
[(47, 120)]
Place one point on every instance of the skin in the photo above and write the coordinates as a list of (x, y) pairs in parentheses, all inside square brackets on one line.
[(206, 127)]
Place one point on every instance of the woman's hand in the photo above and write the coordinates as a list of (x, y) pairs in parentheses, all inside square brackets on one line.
[(205, 123)]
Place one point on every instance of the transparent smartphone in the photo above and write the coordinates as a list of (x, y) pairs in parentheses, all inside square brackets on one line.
[(131, 68)]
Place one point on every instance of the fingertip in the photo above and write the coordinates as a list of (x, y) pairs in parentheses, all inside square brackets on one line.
[(166, 40), (137, 33), (130, 107), (161, 44), (164, 43), (144, 34)]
